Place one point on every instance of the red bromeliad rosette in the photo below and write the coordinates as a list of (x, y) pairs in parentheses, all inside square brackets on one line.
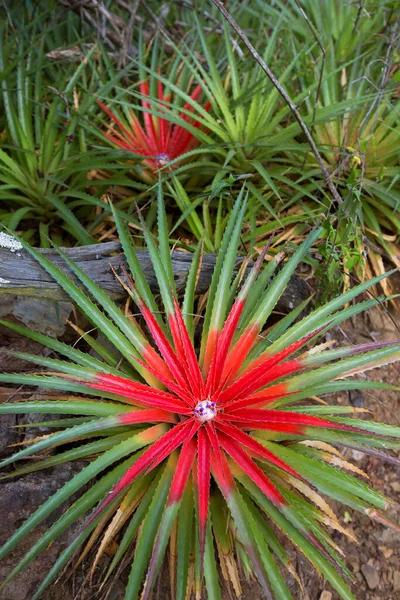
[(206, 437), (159, 140)]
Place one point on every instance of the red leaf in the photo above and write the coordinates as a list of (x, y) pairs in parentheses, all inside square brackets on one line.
[(140, 134), (271, 426), (188, 354), (253, 445), (126, 131), (185, 434), (203, 481), (169, 383), (239, 352), (149, 120), (266, 356), (268, 416), (251, 469), (160, 140), (172, 439), (183, 468), (231, 324), (256, 375), (223, 345), (146, 416), (162, 123), (267, 396), (155, 361), (212, 339), (246, 385), (142, 394), (164, 346), (221, 471)]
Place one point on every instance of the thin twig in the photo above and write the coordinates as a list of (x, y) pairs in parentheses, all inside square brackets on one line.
[(209, 17), (313, 31), (126, 46), (321, 73), (387, 67), (285, 96), (388, 64)]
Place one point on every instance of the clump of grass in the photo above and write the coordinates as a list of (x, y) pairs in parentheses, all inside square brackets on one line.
[(40, 150)]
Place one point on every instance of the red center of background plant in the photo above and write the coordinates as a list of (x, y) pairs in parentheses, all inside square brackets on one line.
[(159, 141)]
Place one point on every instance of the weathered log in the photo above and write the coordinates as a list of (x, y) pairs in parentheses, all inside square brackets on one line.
[(21, 275)]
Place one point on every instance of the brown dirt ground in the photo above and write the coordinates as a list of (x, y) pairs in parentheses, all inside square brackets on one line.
[(375, 560)]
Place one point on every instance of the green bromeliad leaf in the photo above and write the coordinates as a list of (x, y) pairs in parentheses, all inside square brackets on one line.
[(197, 430)]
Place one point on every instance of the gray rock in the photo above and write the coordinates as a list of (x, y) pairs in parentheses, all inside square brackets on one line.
[(371, 576), (388, 537), (7, 302), (30, 433), (42, 315), (19, 499), (396, 581), (8, 434)]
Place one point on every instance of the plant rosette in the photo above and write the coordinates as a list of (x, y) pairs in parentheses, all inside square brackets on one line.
[(201, 433)]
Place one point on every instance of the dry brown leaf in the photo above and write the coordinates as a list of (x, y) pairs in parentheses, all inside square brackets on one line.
[(311, 495)]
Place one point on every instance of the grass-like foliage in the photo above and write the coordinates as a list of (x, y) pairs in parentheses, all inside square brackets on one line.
[(191, 105), (203, 432), (46, 153), (338, 68), (360, 146), (39, 158)]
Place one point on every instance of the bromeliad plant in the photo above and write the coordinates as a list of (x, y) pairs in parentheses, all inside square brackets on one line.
[(359, 146), (39, 155), (158, 120), (160, 141), (207, 422), (44, 156), (361, 149)]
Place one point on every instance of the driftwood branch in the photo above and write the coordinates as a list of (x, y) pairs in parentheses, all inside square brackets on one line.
[(21, 275)]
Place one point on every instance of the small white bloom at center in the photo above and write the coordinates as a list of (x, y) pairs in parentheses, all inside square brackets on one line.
[(163, 158), (205, 410)]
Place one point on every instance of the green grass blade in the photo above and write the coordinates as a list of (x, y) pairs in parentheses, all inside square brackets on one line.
[(149, 531), (230, 227), (134, 265), (81, 407), (184, 542), (84, 451), (190, 289), (134, 525), (320, 562), (82, 358), (210, 567)]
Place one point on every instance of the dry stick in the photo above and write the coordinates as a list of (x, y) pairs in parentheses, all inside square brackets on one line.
[(285, 96), (313, 31), (208, 16), (388, 64), (128, 34), (321, 74)]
